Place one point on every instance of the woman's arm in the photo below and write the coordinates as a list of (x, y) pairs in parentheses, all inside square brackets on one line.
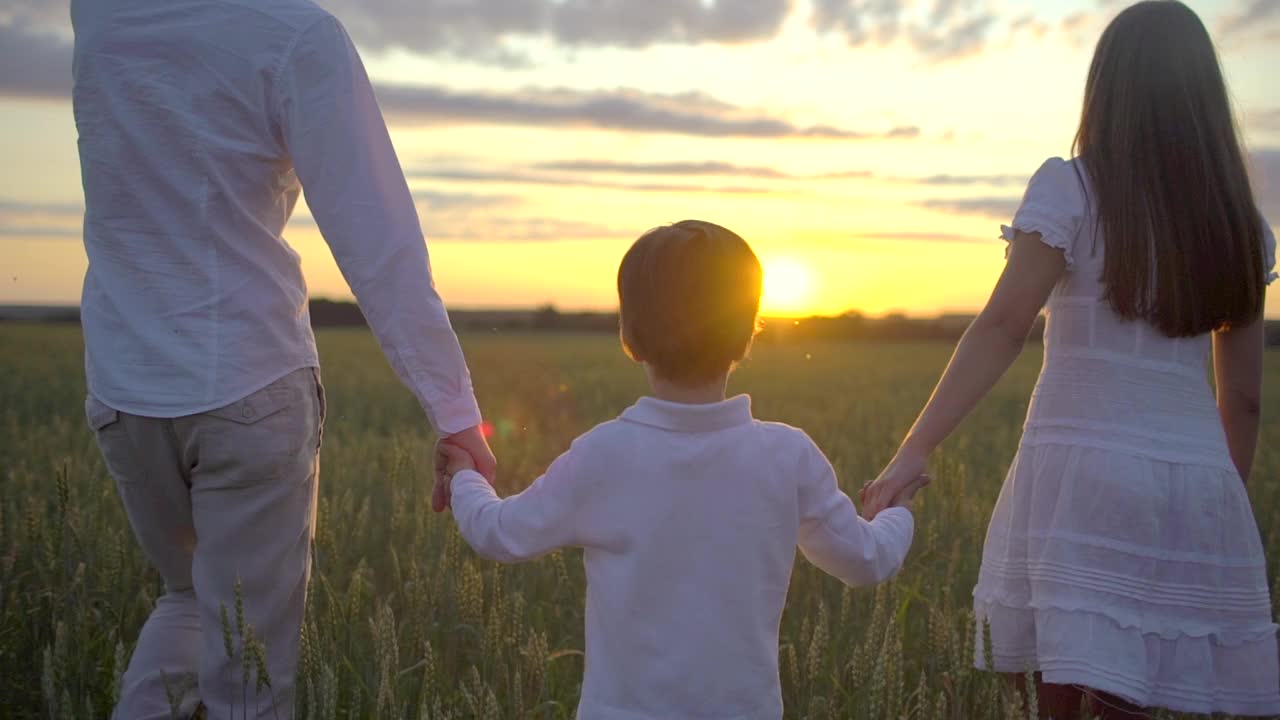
[(1237, 372), (986, 351)]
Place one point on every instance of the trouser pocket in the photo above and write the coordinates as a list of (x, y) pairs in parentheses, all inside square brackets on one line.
[(272, 434)]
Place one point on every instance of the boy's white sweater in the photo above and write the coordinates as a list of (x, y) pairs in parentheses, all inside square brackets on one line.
[(689, 517)]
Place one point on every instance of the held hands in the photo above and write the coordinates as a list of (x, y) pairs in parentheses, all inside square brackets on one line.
[(466, 450), (450, 459), (904, 499), (896, 486)]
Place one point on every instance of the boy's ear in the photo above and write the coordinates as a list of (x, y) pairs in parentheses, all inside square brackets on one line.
[(751, 341), (628, 348)]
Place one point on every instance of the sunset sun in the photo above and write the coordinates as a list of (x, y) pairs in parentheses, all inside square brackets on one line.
[(788, 287)]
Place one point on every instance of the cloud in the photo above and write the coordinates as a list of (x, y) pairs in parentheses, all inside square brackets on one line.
[(25, 232), (1265, 165), (496, 229), (38, 65), (691, 113), (455, 174), (958, 39), (433, 200), (861, 22), (484, 218), (434, 203), (1031, 25), (846, 175), (487, 218), (38, 13), (492, 30), (687, 168), (961, 180), (1264, 120), (952, 29), (55, 221), (21, 207), (34, 64), (636, 24), (449, 217), (1001, 208), (920, 237), (661, 168), (444, 214), (1076, 21), (1248, 16), (720, 168), (506, 32)]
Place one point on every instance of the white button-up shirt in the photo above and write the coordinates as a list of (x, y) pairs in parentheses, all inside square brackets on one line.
[(199, 122), (690, 516)]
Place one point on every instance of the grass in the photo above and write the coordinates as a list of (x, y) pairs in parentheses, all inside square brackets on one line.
[(405, 622)]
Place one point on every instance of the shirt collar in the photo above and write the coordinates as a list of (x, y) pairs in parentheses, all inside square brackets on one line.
[(686, 418)]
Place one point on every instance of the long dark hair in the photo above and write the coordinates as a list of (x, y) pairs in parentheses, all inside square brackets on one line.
[(1183, 238)]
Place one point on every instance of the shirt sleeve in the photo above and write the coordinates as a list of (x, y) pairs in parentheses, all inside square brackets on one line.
[(840, 542), (542, 518), (332, 128), (1053, 207)]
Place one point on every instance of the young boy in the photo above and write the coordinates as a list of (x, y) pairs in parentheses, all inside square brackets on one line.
[(689, 511)]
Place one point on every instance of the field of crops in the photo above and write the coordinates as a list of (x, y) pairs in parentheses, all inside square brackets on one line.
[(405, 622)]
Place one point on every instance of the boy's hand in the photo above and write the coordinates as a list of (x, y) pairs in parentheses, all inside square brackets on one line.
[(450, 460), (904, 498), (472, 442), (905, 468)]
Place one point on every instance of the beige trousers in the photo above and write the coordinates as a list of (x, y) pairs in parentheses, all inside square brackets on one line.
[(218, 499)]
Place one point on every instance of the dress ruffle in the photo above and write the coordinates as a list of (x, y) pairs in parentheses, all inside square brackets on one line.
[(1131, 575), (1186, 673)]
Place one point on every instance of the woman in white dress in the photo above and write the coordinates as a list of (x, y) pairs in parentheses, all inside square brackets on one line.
[(1123, 564)]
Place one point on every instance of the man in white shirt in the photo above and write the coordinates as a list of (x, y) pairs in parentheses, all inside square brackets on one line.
[(199, 121)]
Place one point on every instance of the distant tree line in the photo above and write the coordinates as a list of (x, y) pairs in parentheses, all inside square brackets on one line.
[(851, 326), (895, 327)]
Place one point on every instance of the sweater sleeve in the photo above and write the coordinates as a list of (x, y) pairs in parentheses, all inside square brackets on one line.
[(524, 526), (840, 542)]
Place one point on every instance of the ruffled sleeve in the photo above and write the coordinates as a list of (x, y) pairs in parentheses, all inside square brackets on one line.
[(1269, 251), (1053, 206)]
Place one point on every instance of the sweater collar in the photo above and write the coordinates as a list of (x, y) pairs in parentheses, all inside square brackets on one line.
[(687, 418)]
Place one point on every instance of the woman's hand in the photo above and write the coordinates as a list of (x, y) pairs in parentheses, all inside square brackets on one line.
[(905, 470), (905, 498)]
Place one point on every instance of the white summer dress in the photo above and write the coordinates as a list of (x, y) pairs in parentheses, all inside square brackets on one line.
[(1123, 554)]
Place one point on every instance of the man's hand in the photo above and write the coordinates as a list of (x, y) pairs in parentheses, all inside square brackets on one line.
[(456, 459), (472, 441)]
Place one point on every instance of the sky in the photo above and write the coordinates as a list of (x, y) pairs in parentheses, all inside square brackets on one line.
[(867, 149)]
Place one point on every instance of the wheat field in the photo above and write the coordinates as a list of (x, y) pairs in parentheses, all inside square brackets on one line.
[(405, 622)]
